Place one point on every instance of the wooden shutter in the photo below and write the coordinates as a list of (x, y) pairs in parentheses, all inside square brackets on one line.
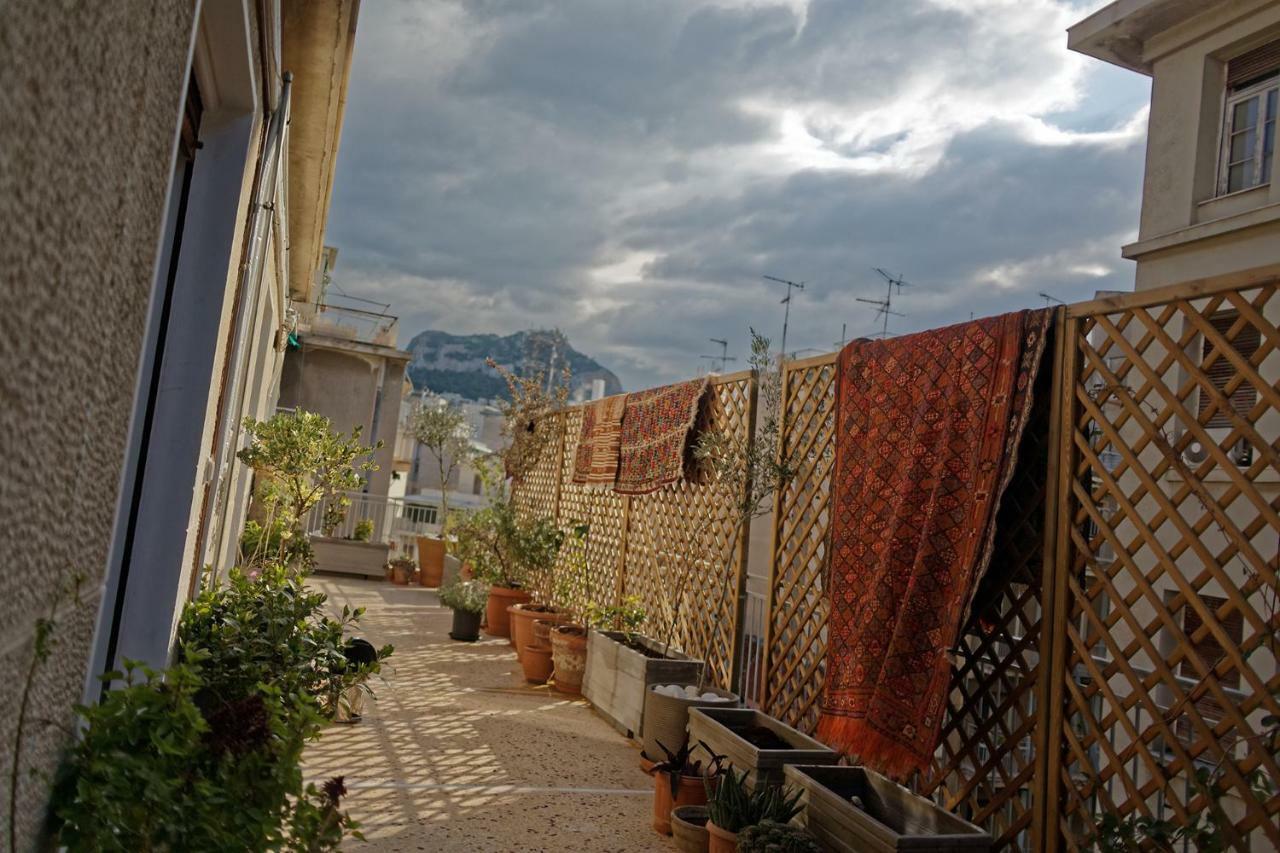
[(1221, 371), (1211, 653), (1249, 67)]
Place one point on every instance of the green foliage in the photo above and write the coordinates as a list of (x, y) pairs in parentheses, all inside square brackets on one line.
[(275, 543), (682, 763), (525, 417), (303, 460), (506, 550), (469, 596), (773, 837), (733, 808), (443, 430), (626, 617), (363, 531)]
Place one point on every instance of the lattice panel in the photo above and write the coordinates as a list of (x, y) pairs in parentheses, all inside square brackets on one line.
[(691, 530), (797, 618), (582, 578), (641, 545), (1167, 679), (539, 490), (985, 767)]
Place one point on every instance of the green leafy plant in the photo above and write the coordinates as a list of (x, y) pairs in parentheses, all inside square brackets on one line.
[(732, 807), (363, 531), (442, 429), (627, 616), (335, 512), (772, 837), (505, 550), (301, 461), (275, 542), (469, 596)]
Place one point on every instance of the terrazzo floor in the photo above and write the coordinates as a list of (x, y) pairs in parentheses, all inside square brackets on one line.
[(458, 753)]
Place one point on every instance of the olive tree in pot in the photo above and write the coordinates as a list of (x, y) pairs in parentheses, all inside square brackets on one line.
[(467, 599), (442, 429)]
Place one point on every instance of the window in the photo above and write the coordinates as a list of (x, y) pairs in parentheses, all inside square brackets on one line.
[(1249, 132), (1221, 371), (1211, 654)]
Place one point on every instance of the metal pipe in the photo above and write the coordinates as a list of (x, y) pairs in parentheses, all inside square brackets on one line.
[(263, 213)]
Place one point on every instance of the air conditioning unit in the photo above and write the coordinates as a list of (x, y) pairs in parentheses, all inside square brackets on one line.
[(1195, 452)]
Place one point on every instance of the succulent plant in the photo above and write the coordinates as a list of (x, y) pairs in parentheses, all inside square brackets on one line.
[(772, 837), (733, 807)]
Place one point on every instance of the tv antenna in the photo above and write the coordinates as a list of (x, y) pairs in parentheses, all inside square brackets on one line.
[(884, 307), (723, 357), (1050, 298), (844, 336), (786, 315)]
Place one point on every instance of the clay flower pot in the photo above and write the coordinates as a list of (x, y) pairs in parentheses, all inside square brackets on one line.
[(691, 792), (542, 629), (689, 828), (536, 662), (500, 598), (522, 616), (431, 561), (569, 654), (400, 573), (720, 841)]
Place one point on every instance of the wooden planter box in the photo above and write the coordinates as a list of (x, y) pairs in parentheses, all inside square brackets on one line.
[(892, 818), (716, 727), (617, 677), (349, 557)]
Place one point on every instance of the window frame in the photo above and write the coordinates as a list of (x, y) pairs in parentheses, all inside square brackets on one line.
[(1257, 89)]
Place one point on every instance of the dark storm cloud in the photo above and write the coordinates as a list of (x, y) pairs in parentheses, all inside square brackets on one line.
[(627, 171)]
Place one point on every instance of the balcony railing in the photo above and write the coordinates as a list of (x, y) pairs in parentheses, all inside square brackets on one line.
[(395, 520), (353, 324)]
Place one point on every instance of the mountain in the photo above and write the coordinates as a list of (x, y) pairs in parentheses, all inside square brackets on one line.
[(454, 364)]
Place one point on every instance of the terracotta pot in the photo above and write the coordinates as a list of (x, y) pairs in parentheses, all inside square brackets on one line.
[(692, 792), (466, 626), (522, 617), (646, 763), (400, 574), (689, 828), (569, 653), (720, 841), (431, 561), (536, 662), (500, 598), (542, 628)]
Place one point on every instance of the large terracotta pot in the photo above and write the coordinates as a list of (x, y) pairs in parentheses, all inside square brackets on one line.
[(721, 841), (692, 791), (569, 653), (522, 617), (500, 598), (536, 662), (430, 561)]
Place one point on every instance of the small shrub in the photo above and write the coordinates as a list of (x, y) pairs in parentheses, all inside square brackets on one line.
[(469, 596), (772, 837), (363, 531)]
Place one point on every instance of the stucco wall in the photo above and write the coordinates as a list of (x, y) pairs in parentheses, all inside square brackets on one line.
[(90, 95)]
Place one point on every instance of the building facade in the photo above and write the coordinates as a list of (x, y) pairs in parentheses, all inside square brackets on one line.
[(156, 181)]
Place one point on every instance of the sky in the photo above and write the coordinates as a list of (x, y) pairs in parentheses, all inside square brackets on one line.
[(628, 170)]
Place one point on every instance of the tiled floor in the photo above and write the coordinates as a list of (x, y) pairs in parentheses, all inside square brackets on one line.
[(459, 754)]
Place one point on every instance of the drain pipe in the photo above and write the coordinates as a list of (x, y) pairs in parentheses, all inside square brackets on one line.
[(246, 313)]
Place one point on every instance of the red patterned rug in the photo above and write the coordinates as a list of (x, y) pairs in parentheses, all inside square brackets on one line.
[(655, 436), (599, 440), (927, 431)]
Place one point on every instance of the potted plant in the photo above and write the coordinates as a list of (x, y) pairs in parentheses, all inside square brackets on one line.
[(622, 665), (732, 806), (771, 837), (689, 828), (855, 809), (363, 530), (756, 743), (536, 661), (467, 598), (401, 570), (666, 713), (442, 429), (681, 780)]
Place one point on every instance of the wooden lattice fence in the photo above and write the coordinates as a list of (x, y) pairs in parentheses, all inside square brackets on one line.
[(1124, 660), (644, 546)]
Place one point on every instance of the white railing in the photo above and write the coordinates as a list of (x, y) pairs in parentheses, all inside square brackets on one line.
[(393, 519), (751, 652)]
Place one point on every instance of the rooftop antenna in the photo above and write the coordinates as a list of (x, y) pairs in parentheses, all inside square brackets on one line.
[(844, 336), (723, 357), (786, 315), (1049, 298), (884, 307)]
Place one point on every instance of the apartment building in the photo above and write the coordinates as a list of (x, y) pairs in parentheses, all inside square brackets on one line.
[(165, 174)]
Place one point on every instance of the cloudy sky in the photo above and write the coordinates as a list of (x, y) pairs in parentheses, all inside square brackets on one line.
[(627, 170)]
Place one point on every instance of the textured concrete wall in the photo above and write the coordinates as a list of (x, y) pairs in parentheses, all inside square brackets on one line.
[(90, 94)]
